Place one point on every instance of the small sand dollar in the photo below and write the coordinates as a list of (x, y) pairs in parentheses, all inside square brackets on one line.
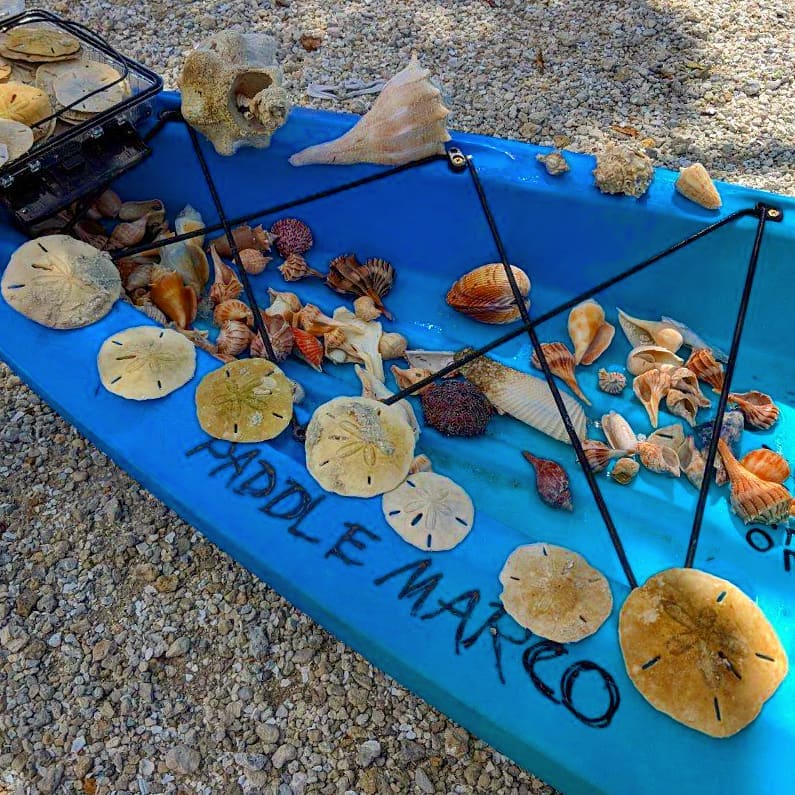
[(359, 447), (16, 137), (61, 282), (429, 511), (45, 42), (699, 650), (554, 592), (146, 362), (248, 400), (75, 83)]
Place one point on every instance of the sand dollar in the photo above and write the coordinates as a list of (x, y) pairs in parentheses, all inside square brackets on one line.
[(248, 400), (23, 103), (16, 137), (5, 69), (429, 511), (359, 447), (73, 84), (40, 41), (61, 282), (146, 362), (699, 650), (554, 592)]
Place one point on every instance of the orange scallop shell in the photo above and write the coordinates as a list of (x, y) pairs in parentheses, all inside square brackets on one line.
[(485, 293), (767, 464), (706, 368), (174, 299), (758, 408)]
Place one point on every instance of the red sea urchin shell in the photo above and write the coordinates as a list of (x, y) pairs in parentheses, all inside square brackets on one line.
[(456, 408), (292, 236)]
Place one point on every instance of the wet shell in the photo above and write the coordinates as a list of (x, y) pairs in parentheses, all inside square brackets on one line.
[(618, 431), (758, 409), (392, 345), (754, 499), (767, 464), (309, 348), (233, 309), (382, 275), (624, 470), (650, 357), (706, 368), (348, 276), (650, 388), (253, 261), (683, 405), (292, 236), (366, 310), (234, 338), (485, 294), (613, 383), (694, 183), (599, 344), (552, 482), (561, 364), (661, 460), (245, 237), (280, 334), (621, 169), (650, 332), (410, 376), (599, 455), (171, 296), (225, 284)]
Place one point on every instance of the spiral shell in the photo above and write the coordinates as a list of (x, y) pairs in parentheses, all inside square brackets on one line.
[(392, 345), (283, 303), (485, 294), (232, 309), (706, 368), (650, 357), (686, 381), (624, 470), (681, 404), (561, 364), (280, 334), (253, 261), (295, 268), (650, 388), (613, 383), (757, 408), (234, 338), (365, 308), (767, 464), (659, 459), (225, 284), (172, 297), (309, 348)]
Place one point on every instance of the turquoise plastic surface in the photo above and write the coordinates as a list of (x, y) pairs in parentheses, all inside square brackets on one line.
[(433, 621)]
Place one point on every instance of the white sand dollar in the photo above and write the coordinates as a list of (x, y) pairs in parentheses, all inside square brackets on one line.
[(16, 137), (146, 362), (61, 282), (75, 83), (429, 511)]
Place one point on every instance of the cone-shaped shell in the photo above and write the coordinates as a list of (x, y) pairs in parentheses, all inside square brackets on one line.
[(171, 296), (406, 123), (757, 408), (650, 388), (485, 293), (585, 320), (561, 364), (706, 368), (695, 183), (619, 432), (767, 464), (659, 459), (599, 344)]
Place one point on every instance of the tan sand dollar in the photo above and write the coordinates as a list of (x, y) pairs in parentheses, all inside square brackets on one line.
[(699, 650), (554, 592), (85, 77), (61, 282), (359, 447), (16, 137), (40, 41), (5, 69), (248, 400), (146, 362), (429, 511), (25, 104)]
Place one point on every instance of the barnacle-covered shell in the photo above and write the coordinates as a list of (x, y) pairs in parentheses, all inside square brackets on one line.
[(619, 432), (599, 455), (650, 388), (234, 338), (650, 332), (253, 261), (758, 409), (695, 183), (561, 363), (554, 163), (767, 464), (485, 293), (292, 236), (171, 296), (456, 408), (410, 376), (706, 368), (659, 459), (622, 169), (232, 309), (650, 357), (613, 383), (624, 470)]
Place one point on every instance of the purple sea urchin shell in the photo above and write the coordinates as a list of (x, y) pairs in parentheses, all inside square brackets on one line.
[(456, 408), (292, 236)]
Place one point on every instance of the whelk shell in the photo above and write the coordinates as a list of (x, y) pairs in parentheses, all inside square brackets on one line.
[(283, 303), (253, 261), (681, 404), (758, 409), (485, 293), (295, 268), (650, 388), (695, 183), (613, 383), (599, 455), (649, 332), (561, 364), (618, 431), (650, 357), (692, 462), (225, 284), (234, 338), (171, 296), (754, 499), (767, 464), (585, 320), (599, 344), (706, 368), (365, 309), (624, 470), (661, 460), (686, 381), (232, 309), (552, 482)]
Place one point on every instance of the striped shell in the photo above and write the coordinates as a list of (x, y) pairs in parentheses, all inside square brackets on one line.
[(235, 337), (613, 383), (281, 337), (309, 348), (485, 293), (232, 309), (767, 464), (560, 363), (706, 368), (253, 261), (599, 455), (757, 408)]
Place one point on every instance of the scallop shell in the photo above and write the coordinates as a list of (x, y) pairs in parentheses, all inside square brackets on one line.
[(561, 364), (758, 409), (232, 309), (618, 431), (172, 297), (392, 345), (695, 183), (234, 338), (650, 388), (706, 368), (599, 455), (585, 320), (767, 464), (661, 460), (650, 357), (613, 383), (485, 293), (347, 275), (683, 405), (382, 275), (754, 499), (649, 332), (624, 470), (309, 348)]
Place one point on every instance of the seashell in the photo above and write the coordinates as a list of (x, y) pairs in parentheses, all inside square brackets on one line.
[(659, 459), (672, 436), (127, 234), (434, 360), (392, 345), (585, 320), (245, 237), (731, 431), (618, 431), (292, 236), (295, 268), (524, 397), (405, 123), (681, 404), (141, 276), (382, 275), (308, 348), (754, 499), (649, 332), (758, 409), (695, 183), (421, 463), (485, 293), (766, 464), (283, 303), (333, 338), (232, 309), (692, 340), (280, 334), (232, 93), (650, 388), (91, 232), (225, 284), (561, 364), (552, 482), (599, 344), (410, 376), (366, 310), (311, 319), (650, 357), (686, 381), (235, 337), (622, 169), (613, 383), (361, 342), (691, 461), (108, 204), (554, 163), (706, 368), (456, 408), (347, 275), (172, 297), (253, 261), (624, 470), (299, 393), (189, 261), (133, 211), (599, 455), (153, 313), (374, 389)]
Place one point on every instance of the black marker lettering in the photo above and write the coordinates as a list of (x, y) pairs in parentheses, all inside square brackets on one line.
[(236, 462), (471, 598), (567, 682), (349, 537), (424, 588), (538, 652), (789, 556), (246, 487), (759, 539), (299, 510), (210, 446)]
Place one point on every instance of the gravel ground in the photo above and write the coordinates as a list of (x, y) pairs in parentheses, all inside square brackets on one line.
[(136, 657)]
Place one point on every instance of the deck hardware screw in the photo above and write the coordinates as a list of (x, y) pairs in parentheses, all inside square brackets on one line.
[(773, 213)]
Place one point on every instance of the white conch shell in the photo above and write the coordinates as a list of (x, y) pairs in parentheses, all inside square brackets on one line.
[(694, 183), (692, 462), (650, 332), (619, 432), (650, 357), (406, 123)]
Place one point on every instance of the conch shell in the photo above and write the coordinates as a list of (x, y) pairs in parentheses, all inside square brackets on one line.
[(613, 383), (754, 499), (767, 464), (624, 470), (283, 303), (232, 309), (589, 332), (177, 301), (280, 334), (650, 332), (706, 368), (672, 436), (683, 405), (406, 123), (758, 409), (650, 388), (686, 381), (392, 345), (225, 284), (692, 462), (485, 293), (650, 357), (619, 432), (561, 364), (621, 169), (408, 377), (599, 455), (694, 183), (659, 459)]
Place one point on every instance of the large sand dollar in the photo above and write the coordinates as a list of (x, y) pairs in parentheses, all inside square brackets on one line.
[(146, 362), (40, 41), (25, 104), (85, 77), (61, 282), (699, 650)]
